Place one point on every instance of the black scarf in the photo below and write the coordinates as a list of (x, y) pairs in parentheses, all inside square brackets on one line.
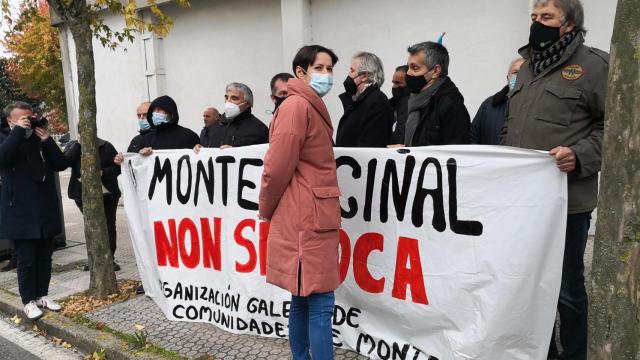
[(541, 60), (416, 103)]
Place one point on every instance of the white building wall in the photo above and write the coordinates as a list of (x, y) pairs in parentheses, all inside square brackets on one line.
[(216, 42), (120, 88)]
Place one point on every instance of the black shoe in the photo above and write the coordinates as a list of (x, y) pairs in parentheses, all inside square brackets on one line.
[(10, 266), (116, 267), (140, 290), (59, 246)]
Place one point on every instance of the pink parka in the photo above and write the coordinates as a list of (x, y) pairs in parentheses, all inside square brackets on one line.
[(300, 194)]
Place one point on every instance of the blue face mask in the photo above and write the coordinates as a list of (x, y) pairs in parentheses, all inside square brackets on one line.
[(159, 118), (512, 81), (321, 83), (143, 124)]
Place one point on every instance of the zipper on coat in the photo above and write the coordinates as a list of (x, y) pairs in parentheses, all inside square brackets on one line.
[(13, 189), (299, 276)]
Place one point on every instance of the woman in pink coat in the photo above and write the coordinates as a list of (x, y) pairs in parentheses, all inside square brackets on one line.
[(300, 197)]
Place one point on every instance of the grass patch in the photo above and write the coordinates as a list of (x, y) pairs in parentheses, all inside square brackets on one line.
[(133, 341)]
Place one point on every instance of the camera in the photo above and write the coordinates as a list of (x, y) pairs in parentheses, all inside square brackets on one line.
[(38, 122)]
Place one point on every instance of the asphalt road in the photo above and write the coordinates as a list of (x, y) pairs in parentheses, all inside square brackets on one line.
[(11, 351), (19, 343)]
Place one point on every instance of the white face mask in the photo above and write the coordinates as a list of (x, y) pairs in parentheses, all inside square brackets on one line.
[(231, 110)]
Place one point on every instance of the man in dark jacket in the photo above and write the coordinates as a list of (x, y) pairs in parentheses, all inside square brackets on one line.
[(12, 263), (210, 116), (109, 177), (558, 105), (368, 117), (400, 103), (237, 126), (486, 126), (29, 206), (437, 115), (143, 127), (279, 92), (166, 133)]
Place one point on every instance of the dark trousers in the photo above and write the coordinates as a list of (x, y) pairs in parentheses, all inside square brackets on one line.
[(573, 303), (34, 267), (13, 259), (110, 210)]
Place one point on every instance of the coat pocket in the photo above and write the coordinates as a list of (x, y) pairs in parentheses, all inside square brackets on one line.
[(326, 202), (557, 104)]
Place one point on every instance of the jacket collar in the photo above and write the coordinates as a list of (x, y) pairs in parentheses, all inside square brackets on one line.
[(243, 115), (166, 127), (348, 98), (301, 88), (525, 52), (422, 99), (500, 98)]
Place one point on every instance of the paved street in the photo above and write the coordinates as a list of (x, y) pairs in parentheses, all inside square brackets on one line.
[(17, 343)]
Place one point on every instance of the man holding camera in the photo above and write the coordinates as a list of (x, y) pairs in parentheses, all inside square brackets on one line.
[(29, 205)]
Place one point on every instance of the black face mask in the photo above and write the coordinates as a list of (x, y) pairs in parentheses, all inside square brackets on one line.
[(279, 100), (542, 36), (415, 83), (399, 92), (350, 85)]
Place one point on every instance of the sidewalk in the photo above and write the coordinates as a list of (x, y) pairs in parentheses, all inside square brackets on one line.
[(184, 339)]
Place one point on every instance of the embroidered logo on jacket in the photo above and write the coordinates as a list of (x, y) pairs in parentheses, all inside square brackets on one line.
[(572, 72)]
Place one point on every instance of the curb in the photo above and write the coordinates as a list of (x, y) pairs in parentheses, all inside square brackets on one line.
[(83, 338), (56, 268)]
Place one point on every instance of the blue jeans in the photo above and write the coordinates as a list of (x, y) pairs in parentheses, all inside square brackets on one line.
[(310, 326), (573, 303)]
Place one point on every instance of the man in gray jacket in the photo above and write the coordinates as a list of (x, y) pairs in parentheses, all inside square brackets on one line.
[(558, 105)]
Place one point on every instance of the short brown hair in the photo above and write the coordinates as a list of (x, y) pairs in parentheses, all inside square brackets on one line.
[(16, 105)]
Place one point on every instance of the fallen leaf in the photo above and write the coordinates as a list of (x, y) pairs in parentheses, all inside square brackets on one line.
[(100, 325), (16, 319), (66, 345), (139, 327)]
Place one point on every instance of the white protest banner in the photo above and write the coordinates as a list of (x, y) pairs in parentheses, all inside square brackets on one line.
[(454, 252)]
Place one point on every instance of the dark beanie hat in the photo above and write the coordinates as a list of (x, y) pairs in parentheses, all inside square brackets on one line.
[(165, 103)]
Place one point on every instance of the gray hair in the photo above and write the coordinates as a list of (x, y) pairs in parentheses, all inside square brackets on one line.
[(434, 54), (571, 9), (16, 105), (371, 65), (519, 58), (248, 94)]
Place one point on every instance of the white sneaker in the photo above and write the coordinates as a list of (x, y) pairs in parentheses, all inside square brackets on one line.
[(32, 311), (47, 303)]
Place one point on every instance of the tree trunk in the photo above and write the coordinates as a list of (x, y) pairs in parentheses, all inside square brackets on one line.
[(103, 279), (614, 313)]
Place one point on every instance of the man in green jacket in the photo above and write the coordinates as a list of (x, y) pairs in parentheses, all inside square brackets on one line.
[(557, 105)]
